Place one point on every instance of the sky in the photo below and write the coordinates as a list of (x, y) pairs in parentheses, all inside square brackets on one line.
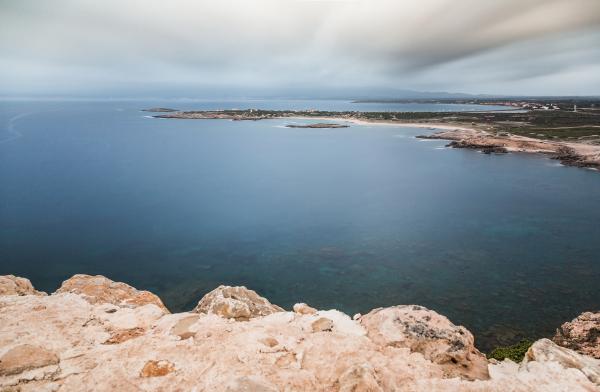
[(185, 48)]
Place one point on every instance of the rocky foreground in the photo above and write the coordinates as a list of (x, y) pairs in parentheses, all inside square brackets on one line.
[(96, 334)]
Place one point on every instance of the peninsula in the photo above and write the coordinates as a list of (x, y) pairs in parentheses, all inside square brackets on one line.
[(551, 128)]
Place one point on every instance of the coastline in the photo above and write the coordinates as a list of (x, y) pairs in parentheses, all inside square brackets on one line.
[(476, 136), (568, 153), (382, 122), (461, 136)]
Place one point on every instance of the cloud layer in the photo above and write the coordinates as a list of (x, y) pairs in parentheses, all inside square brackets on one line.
[(137, 47)]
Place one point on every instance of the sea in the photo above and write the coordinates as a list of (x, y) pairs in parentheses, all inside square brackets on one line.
[(352, 219)]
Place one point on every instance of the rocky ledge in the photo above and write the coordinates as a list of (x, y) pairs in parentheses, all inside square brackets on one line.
[(96, 334), (569, 154)]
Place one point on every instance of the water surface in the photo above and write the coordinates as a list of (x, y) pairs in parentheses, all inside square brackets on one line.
[(352, 218)]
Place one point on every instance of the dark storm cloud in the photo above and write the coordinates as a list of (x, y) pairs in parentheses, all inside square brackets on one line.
[(68, 46)]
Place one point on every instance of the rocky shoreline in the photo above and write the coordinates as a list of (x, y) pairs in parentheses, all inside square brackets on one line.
[(569, 154), (96, 334)]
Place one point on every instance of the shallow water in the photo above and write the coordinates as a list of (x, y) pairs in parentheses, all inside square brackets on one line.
[(352, 218)]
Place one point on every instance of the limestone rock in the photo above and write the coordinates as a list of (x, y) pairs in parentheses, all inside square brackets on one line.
[(322, 324), (14, 285), (581, 334), (237, 303), (429, 333), (157, 369), (182, 328), (269, 341), (303, 308), (544, 350), (124, 335), (25, 357), (99, 289), (359, 378), (250, 384), (156, 351)]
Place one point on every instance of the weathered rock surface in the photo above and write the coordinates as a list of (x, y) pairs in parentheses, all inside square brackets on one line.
[(157, 369), (14, 285), (99, 289), (65, 342), (25, 357), (322, 324), (303, 308), (433, 335), (582, 334), (571, 154), (545, 350), (237, 303)]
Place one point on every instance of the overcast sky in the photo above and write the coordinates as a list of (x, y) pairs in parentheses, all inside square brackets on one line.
[(196, 48)]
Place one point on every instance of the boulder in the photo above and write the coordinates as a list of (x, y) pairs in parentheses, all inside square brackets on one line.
[(99, 289), (582, 334), (544, 350), (26, 357), (237, 303), (14, 285), (429, 333), (322, 324), (302, 308)]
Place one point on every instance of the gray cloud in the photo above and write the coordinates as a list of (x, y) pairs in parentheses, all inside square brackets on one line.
[(130, 47)]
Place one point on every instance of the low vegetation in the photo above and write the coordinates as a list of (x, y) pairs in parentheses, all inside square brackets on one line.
[(547, 120), (515, 353)]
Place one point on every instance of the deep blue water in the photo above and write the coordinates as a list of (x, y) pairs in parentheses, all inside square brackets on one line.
[(352, 218)]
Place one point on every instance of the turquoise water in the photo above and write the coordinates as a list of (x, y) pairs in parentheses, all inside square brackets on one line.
[(352, 218)]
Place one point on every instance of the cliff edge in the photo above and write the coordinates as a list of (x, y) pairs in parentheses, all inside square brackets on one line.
[(96, 334)]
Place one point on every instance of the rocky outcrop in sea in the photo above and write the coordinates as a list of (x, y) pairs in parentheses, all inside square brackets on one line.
[(96, 334)]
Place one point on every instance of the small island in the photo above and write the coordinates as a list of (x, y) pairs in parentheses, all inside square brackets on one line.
[(159, 110), (317, 125)]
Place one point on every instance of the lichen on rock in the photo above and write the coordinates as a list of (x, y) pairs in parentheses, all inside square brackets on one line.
[(429, 333)]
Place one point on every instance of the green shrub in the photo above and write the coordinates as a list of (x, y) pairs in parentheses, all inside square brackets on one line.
[(516, 352)]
